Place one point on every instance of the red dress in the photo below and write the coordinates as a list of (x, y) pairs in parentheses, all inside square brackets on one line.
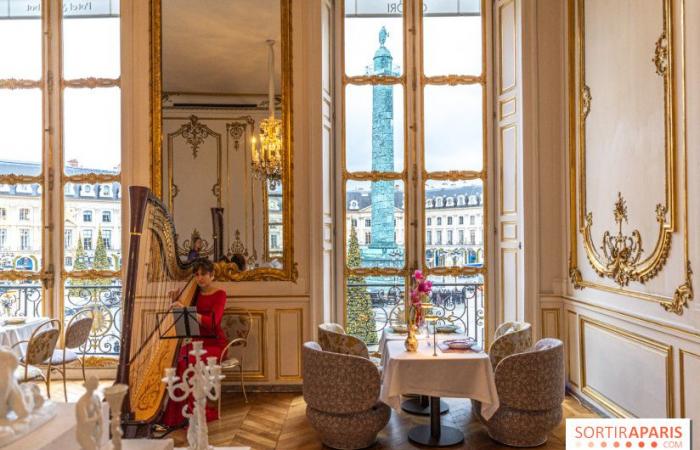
[(211, 308)]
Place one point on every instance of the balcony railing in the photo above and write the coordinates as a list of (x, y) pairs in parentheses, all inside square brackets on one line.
[(103, 299), (459, 305)]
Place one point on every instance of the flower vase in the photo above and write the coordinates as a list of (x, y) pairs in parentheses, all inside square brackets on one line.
[(411, 342)]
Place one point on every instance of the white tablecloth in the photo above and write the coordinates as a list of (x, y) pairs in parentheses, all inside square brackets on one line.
[(461, 375), (11, 334)]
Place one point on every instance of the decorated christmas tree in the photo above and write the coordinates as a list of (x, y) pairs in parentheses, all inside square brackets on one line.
[(360, 318), (80, 262), (101, 261)]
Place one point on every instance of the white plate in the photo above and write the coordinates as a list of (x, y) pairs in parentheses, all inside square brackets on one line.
[(15, 320), (461, 344)]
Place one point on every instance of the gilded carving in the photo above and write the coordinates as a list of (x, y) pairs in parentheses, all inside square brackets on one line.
[(14, 83), (621, 258), (586, 101), (237, 128), (91, 83), (453, 80), (661, 55), (373, 80), (195, 133), (683, 294)]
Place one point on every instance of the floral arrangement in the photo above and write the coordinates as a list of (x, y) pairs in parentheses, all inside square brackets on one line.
[(420, 295)]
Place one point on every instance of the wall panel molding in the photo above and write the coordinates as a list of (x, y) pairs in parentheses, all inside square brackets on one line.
[(663, 350)]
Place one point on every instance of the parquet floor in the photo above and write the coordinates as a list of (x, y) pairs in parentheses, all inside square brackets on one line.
[(278, 421)]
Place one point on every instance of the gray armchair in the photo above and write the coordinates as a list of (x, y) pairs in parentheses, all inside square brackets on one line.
[(342, 396), (530, 389)]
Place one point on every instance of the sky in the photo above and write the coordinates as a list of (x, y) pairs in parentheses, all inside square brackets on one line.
[(92, 129), (452, 114)]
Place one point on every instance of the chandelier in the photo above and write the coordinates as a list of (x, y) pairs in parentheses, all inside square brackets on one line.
[(267, 149)]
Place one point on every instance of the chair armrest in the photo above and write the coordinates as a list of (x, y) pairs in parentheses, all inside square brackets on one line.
[(238, 341), (19, 342)]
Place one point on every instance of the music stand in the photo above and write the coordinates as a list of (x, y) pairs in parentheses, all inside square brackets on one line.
[(184, 324)]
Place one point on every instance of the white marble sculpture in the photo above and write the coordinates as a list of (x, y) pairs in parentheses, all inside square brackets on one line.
[(115, 397), (22, 407), (202, 381), (88, 415)]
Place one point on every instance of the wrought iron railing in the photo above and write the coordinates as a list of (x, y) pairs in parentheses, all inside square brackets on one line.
[(21, 299), (105, 302), (103, 299), (374, 307)]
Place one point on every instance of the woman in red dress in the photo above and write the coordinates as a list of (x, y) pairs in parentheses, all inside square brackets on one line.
[(210, 303)]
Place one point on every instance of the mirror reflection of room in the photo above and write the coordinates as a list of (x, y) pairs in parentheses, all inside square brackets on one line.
[(221, 84)]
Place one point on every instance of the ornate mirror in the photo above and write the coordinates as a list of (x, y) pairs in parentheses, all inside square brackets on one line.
[(222, 146)]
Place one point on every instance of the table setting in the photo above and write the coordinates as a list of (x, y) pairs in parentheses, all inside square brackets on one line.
[(447, 364)]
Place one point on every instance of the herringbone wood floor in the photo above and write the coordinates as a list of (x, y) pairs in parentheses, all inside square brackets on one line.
[(278, 421)]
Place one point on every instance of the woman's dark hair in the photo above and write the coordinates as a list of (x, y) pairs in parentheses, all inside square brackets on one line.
[(203, 264), (239, 260)]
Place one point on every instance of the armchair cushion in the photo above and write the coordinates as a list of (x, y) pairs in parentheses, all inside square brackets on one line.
[(510, 338), (332, 340)]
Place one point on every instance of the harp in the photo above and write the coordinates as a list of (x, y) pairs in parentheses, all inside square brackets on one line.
[(154, 273)]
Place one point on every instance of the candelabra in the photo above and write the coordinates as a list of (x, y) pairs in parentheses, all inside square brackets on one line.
[(202, 381), (115, 397)]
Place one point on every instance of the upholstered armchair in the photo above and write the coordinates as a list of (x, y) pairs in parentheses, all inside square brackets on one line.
[(530, 389), (510, 337), (342, 397)]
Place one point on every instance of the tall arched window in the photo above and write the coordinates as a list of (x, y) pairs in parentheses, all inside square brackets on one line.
[(60, 99), (413, 93)]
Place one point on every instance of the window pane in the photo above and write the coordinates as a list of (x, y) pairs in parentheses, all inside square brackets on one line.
[(460, 302), (90, 47), (20, 51), (364, 52), (373, 304), (92, 130), (21, 129), (377, 208), (20, 227), (452, 45), (21, 298), (374, 128), (452, 244), (103, 298), (89, 241), (453, 128)]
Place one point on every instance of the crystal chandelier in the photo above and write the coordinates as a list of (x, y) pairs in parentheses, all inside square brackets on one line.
[(267, 149)]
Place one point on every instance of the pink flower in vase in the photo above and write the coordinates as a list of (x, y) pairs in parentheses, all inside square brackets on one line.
[(417, 275)]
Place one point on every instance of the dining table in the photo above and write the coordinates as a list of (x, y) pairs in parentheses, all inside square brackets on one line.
[(13, 330), (435, 373)]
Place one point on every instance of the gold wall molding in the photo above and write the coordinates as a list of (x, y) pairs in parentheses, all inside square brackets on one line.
[(681, 368), (570, 344), (662, 348), (289, 271), (621, 268), (300, 339), (550, 312), (259, 318)]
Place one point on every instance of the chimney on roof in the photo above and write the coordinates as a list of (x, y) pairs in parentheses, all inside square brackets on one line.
[(73, 163)]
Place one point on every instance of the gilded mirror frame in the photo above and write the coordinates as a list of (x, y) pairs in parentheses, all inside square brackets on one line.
[(618, 268), (229, 271)]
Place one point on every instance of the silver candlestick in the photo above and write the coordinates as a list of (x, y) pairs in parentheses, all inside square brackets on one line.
[(202, 381)]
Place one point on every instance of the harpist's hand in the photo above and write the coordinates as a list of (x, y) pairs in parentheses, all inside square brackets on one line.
[(177, 304)]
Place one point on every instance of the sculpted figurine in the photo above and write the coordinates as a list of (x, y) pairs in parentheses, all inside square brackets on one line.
[(88, 414), (12, 398)]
